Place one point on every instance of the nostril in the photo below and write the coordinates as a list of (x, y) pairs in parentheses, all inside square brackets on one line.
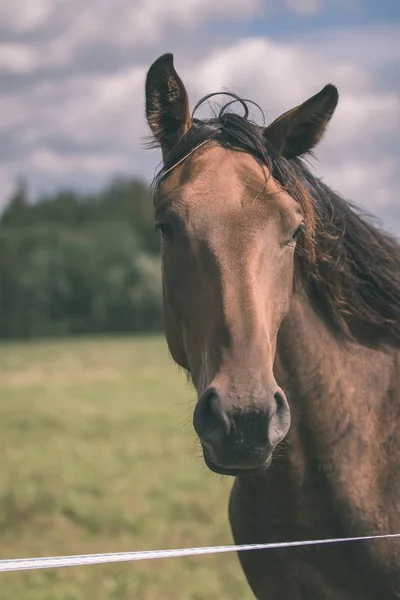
[(280, 400), (280, 422), (209, 415), (220, 416)]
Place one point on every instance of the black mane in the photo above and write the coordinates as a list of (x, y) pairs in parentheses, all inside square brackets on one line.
[(352, 272)]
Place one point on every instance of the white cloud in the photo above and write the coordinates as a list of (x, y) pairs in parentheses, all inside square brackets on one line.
[(372, 46), (81, 27), (374, 183), (365, 115), (305, 7), (22, 16), (16, 58), (275, 73), (59, 164)]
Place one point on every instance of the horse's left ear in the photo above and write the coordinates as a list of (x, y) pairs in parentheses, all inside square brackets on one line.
[(298, 130), (167, 104)]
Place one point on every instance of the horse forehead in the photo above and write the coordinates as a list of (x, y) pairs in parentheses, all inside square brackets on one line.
[(213, 156), (221, 167), (218, 177)]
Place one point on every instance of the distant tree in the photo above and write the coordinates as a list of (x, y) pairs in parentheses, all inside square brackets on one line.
[(74, 263), (17, 209)]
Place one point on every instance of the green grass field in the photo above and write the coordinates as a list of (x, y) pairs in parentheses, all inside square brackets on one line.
[(98, 454)]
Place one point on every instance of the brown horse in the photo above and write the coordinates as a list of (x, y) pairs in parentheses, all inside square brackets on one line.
[(274, 285)]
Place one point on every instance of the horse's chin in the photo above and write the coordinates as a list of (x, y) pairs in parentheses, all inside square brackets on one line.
[(236, 472)]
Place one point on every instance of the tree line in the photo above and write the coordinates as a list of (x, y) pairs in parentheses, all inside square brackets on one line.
[(74, 263)]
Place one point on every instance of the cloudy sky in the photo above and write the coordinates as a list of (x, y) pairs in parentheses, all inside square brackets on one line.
[(72, 77)]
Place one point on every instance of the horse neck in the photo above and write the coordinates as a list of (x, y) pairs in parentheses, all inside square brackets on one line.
[(345, 403), (330, 380), (344, 398)]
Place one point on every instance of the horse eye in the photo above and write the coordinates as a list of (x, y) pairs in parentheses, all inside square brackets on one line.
[(298, 231), (165, 229)]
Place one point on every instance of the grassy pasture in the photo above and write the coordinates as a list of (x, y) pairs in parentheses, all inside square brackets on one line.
[(98, 454)]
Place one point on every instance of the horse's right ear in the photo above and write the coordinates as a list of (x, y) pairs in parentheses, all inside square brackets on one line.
[(167, 104)]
